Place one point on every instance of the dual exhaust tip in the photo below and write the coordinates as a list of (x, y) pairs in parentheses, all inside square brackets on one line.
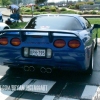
[(42, 69), (29, 68), (45, 70)]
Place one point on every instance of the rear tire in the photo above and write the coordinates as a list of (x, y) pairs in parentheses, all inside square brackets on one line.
[(96, 41), (90, 69)]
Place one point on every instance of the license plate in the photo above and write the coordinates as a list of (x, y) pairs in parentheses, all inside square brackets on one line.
[(37, 52)]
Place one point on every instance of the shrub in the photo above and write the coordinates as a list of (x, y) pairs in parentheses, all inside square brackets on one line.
[(42, 9), (46, 7), (71, 12), (72, 7), (27, 13), (37, 7), (28, 10), (25, 9), (64, 12), (98, 13), (93, 12), (63, 9), (86, 12), (53, 9), (36, 13), (43, 12), (80, 13), (68, 12), (90, 2)]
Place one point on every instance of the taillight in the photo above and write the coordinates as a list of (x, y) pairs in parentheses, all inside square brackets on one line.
[(59, 43), (15, 42), (3, 41), (74, 44)]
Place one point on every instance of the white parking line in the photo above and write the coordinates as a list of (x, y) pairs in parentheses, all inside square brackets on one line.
[(89, 92), (48, 97), (41, 86), (65, 98), (25, 84), (5, 94)]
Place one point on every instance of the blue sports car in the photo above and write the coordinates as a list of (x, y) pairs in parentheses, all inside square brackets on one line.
[(51, 41)]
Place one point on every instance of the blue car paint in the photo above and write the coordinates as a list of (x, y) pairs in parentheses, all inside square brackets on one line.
[(64, 58)]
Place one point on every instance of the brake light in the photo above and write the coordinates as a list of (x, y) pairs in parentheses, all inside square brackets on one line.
[(74, 44), (3, 41), (15, 42), (59, 43)]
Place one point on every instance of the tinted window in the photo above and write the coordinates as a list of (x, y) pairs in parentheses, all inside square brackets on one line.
[(54, 22), (86, 22)]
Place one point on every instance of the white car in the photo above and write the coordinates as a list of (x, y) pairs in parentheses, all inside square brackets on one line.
[(3, 25), (1, 19)]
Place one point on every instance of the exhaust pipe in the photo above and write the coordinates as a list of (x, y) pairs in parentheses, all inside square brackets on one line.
[(26, 68), (43, 70), (32, 68), (48, 70)]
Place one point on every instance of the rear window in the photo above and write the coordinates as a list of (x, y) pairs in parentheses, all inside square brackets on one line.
[(54, 22)]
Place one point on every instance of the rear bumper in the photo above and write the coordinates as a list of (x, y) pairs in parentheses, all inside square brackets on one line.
[(66, 60), (64, 65)]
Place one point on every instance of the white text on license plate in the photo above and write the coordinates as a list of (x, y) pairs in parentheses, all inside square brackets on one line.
[(37, 52)]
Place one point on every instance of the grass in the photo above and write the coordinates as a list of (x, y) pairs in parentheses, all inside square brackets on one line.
[(95, 21), (22, 24), (18, 25)]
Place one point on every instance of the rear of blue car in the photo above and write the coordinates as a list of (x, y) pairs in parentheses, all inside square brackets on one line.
[(43, 47), (65, 52)]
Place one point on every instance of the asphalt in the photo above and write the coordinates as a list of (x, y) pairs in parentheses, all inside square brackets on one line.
[(7, 12)]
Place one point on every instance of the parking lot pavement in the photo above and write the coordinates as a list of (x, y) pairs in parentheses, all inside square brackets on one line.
[(39, 89)]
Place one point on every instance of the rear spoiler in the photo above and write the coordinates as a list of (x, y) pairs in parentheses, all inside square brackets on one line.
[(96, 25), (23, 32)]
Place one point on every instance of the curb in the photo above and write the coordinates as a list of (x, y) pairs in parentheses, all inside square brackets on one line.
[(30, 16), (91, 16)]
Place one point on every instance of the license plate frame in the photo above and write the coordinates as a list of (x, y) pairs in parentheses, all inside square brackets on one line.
[(37, 52)]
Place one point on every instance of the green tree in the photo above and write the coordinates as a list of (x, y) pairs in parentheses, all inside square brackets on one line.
[(6, 2), (16, 1)]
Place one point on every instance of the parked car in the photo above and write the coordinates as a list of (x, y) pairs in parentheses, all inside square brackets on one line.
[(30, 5), (3, 25), (1, 19), (49, 41)]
